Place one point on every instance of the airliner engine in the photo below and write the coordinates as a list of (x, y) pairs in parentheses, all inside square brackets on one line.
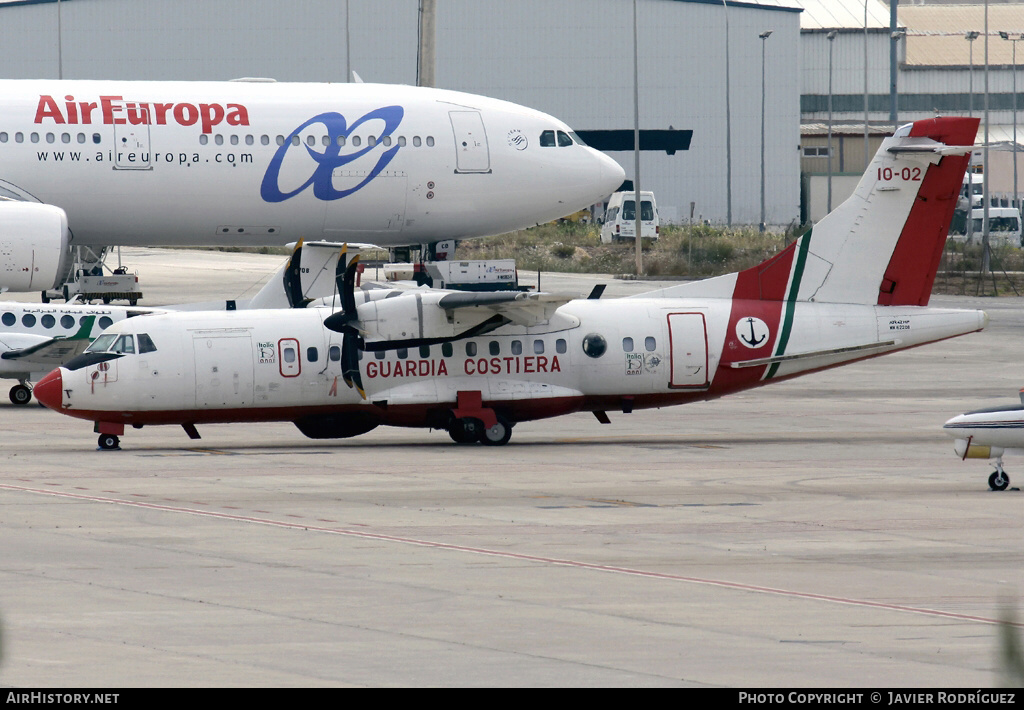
[(33, 246)]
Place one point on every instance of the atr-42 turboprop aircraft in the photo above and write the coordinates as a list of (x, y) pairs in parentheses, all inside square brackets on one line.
[(111, 163), (988, 434), (856, 286)]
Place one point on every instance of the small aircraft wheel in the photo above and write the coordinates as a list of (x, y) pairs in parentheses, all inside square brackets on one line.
[(497, 435), (20, 394), (465, 431), (998, 481), (109, 442)]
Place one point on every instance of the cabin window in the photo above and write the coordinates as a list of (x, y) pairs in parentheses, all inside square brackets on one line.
[(28, 320), (280, 140), (334, 353), (401, 141), (447, 350), (65, 137), (289, 355), (203, 139), (380, 354), (218, 139), (264, 140), (471, 349), (96, 138), (386, 140), (403, 353), (415, 141), (48, 321), (341, 140), (424, 351), (81, 138), (494, 347), (517, 347), (430, 141), (106, 322), (538, 347), (34, 137), (560, 346), (371, 141), (650, 343), (627, 345), (311, 141), (3, 136), (9, 319), (146, 344), (594, 345), (249, 140), (234, 140), (312, 355), (356, 141), (547, 139), (67, 322), (295, 140), (50, 138)]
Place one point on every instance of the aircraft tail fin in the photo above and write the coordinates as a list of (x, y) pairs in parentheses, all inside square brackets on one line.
[(881, 246)]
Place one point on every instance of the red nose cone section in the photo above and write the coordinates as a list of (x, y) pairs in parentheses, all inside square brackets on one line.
[(48, 391)]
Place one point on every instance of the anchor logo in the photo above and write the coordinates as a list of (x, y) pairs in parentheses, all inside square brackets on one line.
[(752, 332)]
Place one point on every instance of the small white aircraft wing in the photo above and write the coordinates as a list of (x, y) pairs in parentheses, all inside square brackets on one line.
[(521, 308), (52, 352)]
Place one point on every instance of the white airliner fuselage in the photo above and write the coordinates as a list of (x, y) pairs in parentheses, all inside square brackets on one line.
[(258, 163)]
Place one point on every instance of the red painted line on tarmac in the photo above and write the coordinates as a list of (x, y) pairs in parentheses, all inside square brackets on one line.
[(526, 558)]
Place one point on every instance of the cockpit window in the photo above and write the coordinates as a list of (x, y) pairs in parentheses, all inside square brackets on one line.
[(564, 139), (101, 343), (109, 342), (124, 344), (547, 139), (146, 344)]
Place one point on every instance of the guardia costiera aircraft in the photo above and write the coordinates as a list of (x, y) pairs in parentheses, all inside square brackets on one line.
[(476, 364)]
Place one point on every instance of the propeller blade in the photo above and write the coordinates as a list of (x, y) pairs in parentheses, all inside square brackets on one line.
[(293, 279), (350, 362)]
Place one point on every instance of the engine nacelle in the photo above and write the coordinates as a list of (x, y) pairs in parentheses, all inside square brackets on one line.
[(415, 316), (966, 449), (33, 246)]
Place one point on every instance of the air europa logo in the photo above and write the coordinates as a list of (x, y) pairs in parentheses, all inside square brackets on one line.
[(114, 110), (331, 158)]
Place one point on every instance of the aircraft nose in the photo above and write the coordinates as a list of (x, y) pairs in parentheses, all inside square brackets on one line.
[(49, 390), (612, 174)]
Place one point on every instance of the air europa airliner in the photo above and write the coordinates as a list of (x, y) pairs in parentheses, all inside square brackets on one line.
[(263, 163)]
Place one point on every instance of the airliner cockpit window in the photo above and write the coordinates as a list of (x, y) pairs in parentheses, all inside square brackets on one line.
[(547, 139), (146, 344), (124, 344), (101, 343), (564, 139)]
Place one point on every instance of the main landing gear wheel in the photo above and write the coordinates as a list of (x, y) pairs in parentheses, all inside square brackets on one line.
[(497, 435), (998, 481), (109, 442), (20, 394), (466, 430)]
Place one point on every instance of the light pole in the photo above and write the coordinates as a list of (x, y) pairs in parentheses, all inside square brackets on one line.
[(831, 38), (1014, 39), (728, 126), (764, 36), (896, 37), (970, 37), (636, 146)]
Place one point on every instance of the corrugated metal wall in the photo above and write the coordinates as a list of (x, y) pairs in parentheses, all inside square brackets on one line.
[(571, 58)]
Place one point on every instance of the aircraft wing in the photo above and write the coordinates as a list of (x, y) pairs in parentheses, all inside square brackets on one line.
[(524, 309), (53, 352)]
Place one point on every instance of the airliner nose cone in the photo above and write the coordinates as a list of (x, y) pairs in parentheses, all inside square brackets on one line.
[(612, 174), (48, 391)]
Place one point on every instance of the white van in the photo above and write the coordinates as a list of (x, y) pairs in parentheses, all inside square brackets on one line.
[(620, 217), (1003, 226)]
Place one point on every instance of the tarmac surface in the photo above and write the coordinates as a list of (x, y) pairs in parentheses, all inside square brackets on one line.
[(818, 532)]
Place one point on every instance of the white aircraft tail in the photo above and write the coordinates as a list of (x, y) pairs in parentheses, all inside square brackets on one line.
[(882, 246)]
